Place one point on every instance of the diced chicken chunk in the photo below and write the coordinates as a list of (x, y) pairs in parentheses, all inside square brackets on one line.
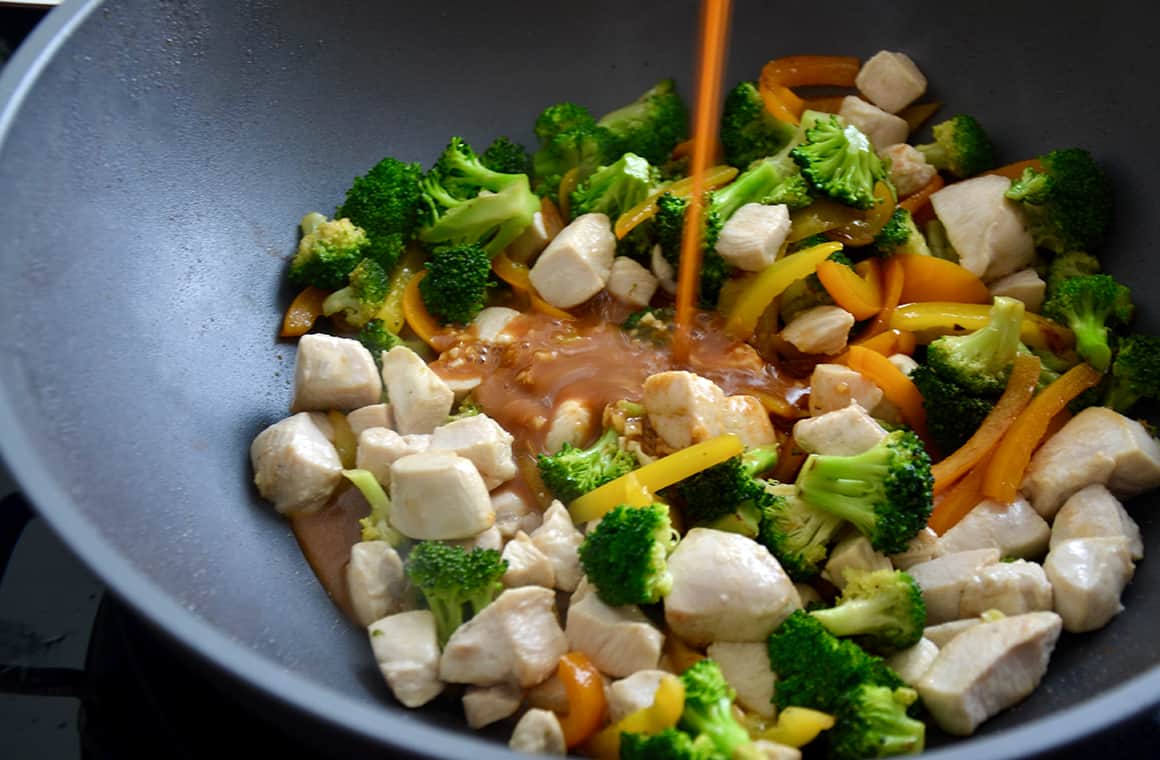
[(380, 447), (807, 594), (334, 373), (942, 633), (488, 539), (438, 495), (577, 263), (909, 170), (514, 511), (559, 540), (535, 238), (820, 330), (775, 751), (842, 432), (665, 272), (406, 649), (1015, 529), (419, 398), (835, 386), (366, 417), (746, 418), (882, 127), (726, 587), (526, 564), (911, 664), (943, 579), (572, 421), (376, 582), (1025, 285), (1093, 512), (890, 80), (490, 324), (515, 639), (1088, 575), (482, 441), (295, 466), (904, 363), (618, 640), (636, 692), (753, 236), (538, 732), (924, 547), (1098, 445), (853, 552), (549, 695), (745, 665), (484, 705), (987, 669), (631, 283), (985, 228), (1009, 587), (682, 407)]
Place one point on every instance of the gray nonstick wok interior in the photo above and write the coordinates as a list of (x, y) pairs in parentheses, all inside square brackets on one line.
[(155, 157)]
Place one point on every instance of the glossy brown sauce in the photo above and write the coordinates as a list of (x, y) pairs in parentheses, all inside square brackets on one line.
[(325, 538)]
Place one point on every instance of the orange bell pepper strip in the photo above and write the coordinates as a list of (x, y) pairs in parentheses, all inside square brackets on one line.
[(664, 712), (825, 104), (820, 216), (895, 385), (916, 114), (893, 281), (780, 74), (1015, 171), (770, 283), (926, 278), (553, 219), (859, 295), (889, 343), (415, 311), (714, 177), (959, 499), (303, 312), (587, 706), (567, 184), (790, 458), (1020, 386), (1014, 451), (920, 197)]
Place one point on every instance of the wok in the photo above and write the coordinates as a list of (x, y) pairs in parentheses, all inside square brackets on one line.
[(154, 158)]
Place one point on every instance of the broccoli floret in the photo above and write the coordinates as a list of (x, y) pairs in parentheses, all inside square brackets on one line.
[(748, 130), (871, 721), (624, 556), (468, 407), (615, 188), (1135, 372), (506, 157), (1068, 204), (651, 125), (1090, 305), (455, 288), (885, 491), (669, 744), (572, 472), (981, 361), (952, 414), (709, 710), (654, 325), (961, 147), (729, 496), (455, 583), (375, 336), (796, 533), (882, 610), (840, 162), (585, 148), (561, 117), (363, 297), (634, 320), (1068, 265), (376, 526), (328, 253), (386, 203), (900, 235), (795, 192), (458, 211)]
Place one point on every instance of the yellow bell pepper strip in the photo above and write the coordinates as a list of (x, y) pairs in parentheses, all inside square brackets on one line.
[(861, 296), (920, 197), (889, 343), (587, 706), (770, 283), (820, 216), (303, 312), (567, 184), (893, 281), (516, 275), (345, 442), (654, 476), (895, 385), (797, 726), (1015, 171), (916, 114), (664, 712), (780, 74), (1014, 451), (415, 311), (931, 319), (391, 312), (926, 278), (635, 494), (714, 177), (861, 232), (1020, 386), (954, 504)]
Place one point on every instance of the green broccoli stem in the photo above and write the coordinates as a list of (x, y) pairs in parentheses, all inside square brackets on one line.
[(750, 187), (718, 724), (856, 616), (759, 459), (934, 153), (841, 485), (448, 616), (994, 346), (1091, 341)]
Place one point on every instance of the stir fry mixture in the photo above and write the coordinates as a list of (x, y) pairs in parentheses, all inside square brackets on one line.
[(887, 477)]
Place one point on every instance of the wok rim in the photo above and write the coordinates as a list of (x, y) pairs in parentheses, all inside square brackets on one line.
[(240, 662)]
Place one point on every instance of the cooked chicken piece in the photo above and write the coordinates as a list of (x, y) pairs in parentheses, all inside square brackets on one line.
[(1026, 285), (924, 547), (775, 751), (753, 236), (559, 540), (745, 666), (853, 552), (538, 732), (380, 447), (516, 638), (890, 80), (618, 640), (490, 324), (419, 398), (987, 669), (807, 594), (482, 441), (577, 263), (514, 511), (366, 417), (820, 330), (376, 581), (941, 633), (726, 587), (746, 418), (407, 652), (909, 171), (1088, 575), (631, 283), (295, 466), (911, 664), (488, 539), (572, 421), (334, 373), (943, 580), (527, 565), (835, 386), (461, 386), (882, 127), (534, 239), (1098, 445), (1009, 587), (842, 432), (665, 272), (549, 695), (484, 705), (904, 363), (682, 407), (1093, 512), (986, 229), (438, 495), (636, 692), (1015, 529)]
